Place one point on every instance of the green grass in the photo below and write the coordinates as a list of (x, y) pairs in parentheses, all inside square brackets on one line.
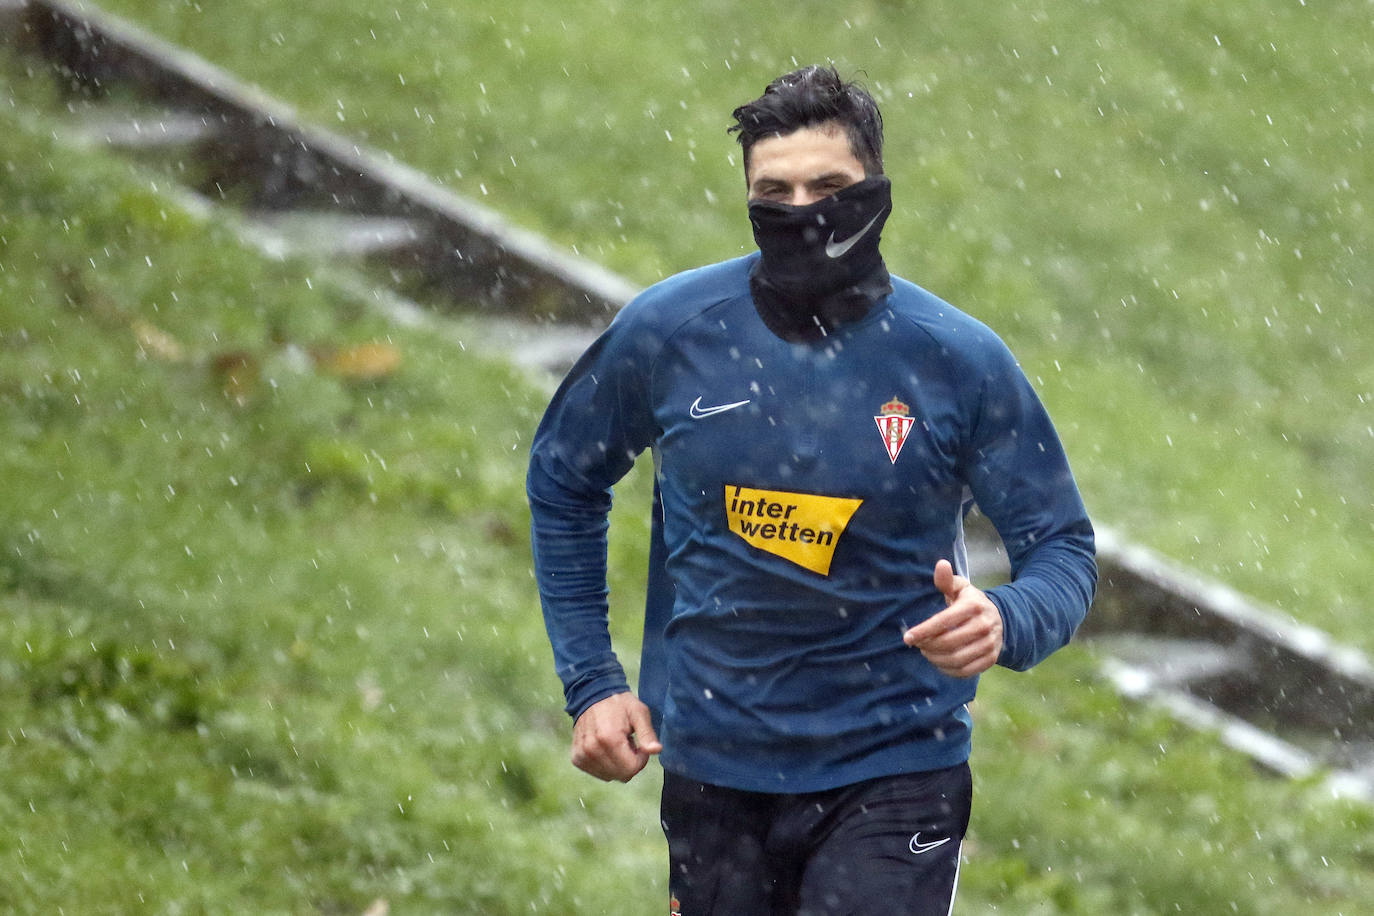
[(266, 646), (268, 639), (1164, 208)]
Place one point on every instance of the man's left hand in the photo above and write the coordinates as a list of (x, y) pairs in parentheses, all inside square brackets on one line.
[(966, 637)]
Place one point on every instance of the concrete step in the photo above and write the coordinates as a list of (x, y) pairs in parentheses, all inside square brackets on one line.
[(1348, 768), (1176, 662), (143, 130), (546, 346), (333, 234)]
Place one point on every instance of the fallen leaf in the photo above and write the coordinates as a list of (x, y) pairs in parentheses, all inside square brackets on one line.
[(157, 343), (363, 362), (238, 374)]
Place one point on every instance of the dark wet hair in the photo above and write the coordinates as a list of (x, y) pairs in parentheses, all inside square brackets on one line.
[(807, 97)]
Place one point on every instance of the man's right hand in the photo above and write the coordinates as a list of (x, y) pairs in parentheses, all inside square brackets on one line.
[(613, 738)]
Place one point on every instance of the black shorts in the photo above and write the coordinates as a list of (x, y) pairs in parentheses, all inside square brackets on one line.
[(888, 845)]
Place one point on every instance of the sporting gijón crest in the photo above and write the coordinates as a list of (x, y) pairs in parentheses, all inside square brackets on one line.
[(894, 422)]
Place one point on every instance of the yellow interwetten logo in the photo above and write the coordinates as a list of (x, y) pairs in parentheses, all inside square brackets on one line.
[(800, 527)]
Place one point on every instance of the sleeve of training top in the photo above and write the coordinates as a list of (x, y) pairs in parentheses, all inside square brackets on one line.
[(596, 424), (1020, 479)]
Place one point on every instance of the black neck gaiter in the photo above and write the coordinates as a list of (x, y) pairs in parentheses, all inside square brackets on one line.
[(820, 267)]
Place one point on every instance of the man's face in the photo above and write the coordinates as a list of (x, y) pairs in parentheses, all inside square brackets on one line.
[(802, 167)]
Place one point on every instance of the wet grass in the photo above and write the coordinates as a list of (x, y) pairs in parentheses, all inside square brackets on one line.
[(1163, 208), (268, 641)]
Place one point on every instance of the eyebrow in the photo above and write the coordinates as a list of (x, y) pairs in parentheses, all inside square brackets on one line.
[(825, 178), (829, 176)]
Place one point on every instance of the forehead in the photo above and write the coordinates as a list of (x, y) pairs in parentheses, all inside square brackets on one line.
[(806, 151)]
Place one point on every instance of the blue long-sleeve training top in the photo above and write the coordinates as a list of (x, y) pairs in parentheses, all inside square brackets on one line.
[(806, 492)]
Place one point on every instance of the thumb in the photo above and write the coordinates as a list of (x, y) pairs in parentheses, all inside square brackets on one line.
[(947, 582), (644, 737)]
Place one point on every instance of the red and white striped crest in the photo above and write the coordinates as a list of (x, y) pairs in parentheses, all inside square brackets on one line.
[(894, 423)]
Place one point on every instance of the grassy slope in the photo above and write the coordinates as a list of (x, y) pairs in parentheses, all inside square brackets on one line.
[(254, 650), (1163, 208), (235, 681)]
